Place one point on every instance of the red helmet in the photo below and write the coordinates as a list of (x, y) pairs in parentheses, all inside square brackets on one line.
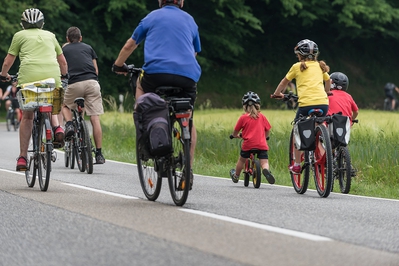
[(174, 2)]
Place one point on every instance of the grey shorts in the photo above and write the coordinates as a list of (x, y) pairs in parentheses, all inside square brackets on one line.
[(90, 90)]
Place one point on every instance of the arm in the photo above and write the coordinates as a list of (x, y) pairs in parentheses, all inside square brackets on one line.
[(5, 94), (235, 134), (354, 115), (397, 89), (8, 62), (95, 65), (280, 88), (63, 64), (327, 86), (125, 52)]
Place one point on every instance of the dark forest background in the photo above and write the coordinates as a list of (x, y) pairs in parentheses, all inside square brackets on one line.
[(246, 45)]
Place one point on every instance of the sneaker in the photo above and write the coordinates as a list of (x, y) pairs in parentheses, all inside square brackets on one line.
[(295, 169), (233, 176), (22, 164), (353, 171), (69, 130), (100, 159), (269, 176), (59, 135)]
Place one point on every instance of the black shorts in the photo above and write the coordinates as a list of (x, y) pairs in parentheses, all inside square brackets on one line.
[(149, 82), (389, 94), (14, 103), (261, 154)]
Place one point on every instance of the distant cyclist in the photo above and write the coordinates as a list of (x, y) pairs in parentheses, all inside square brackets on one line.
[(389, 89), (10, 96), (254, 128)]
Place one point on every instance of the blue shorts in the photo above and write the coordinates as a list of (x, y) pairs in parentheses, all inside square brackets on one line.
[(261, 154)]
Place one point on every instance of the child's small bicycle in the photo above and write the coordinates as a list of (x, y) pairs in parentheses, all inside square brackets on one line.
[(252, 169)]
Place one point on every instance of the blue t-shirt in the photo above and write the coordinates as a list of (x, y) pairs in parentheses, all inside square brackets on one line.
[(171, 41)]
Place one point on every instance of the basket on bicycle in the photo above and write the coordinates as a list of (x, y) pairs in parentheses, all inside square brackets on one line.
[(38, 93)]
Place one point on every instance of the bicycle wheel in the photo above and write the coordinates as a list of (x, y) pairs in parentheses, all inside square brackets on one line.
[(87, 149), (72, 154), (30, 174), (300, 182), (78, 148), (322, 162), (45, 151), (344, 169), (150, 181), (8, 120), (247, 167), (180, 162), (67, 153), (256, 173)]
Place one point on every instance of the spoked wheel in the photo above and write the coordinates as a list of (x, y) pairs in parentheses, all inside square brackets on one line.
[(72, 154), (256, 173), (179, 175), (67, 153), (30, 174), (322, 164), (44, 160), (247, 174), (78, 150), (150, 182), (300, 182), (87, 149), (344, 169)]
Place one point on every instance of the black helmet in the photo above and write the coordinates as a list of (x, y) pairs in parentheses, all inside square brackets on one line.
[(250, 98), (307, 48), (339, 81), (174, 2), (32, 18)]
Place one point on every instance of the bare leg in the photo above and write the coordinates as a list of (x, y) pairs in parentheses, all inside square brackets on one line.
[(240, 165), (66, 112), (25, 132), (97, 130)]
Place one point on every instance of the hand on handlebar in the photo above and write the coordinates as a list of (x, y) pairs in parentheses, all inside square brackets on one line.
[(120, 69), (277, 96), (5, 78)]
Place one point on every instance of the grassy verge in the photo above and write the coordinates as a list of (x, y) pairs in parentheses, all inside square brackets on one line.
[(373, 147)]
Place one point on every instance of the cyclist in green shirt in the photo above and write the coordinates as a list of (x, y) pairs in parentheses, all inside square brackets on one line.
[(40, 57)]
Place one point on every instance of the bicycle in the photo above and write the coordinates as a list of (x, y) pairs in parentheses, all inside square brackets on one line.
[(79, 146), (317, 158), (175, 166), (342, 166), (11, 117), (252, 169), (38, 97)]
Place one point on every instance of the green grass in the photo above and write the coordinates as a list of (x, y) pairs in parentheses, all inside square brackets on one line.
[(373, 146)]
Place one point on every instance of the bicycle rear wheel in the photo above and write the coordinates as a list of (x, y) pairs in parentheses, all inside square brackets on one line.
[(87, 149), (300, 182), (247, 173), (45, 151), (322, 164), (344, 169), (256, 173), (72, 154), (78, 148), (150, 180), (30, 174), (180, 172)]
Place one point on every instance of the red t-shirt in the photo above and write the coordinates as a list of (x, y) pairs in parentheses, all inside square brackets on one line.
[(253, 132), (341, 101)]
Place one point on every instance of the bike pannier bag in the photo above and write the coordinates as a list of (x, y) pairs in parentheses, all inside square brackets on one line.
[(304, 137), (151, 119), (340, 130)]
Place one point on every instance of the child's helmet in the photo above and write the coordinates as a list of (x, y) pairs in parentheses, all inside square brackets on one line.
[(339, 81), (250, 98), (307, 48), (32, 18)]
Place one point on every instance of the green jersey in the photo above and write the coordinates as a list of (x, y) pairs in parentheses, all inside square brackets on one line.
[(37, 50)]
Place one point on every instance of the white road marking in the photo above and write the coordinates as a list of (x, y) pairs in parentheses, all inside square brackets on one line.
[(101, 191), (260, 226)]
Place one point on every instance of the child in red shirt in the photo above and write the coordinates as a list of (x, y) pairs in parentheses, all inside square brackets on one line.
[(254, 128), (340, 100)]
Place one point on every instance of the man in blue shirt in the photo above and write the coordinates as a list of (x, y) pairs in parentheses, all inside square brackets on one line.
[(171, 43)]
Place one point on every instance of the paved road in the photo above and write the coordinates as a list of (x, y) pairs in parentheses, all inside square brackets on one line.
[(104, 219)]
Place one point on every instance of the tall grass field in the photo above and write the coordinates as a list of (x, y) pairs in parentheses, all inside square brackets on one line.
[(373, 147)]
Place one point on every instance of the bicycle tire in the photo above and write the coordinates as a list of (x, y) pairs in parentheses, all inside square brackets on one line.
[(180, 164), (30, 174), (44, 153), (8, 120), (322, 162), (87, 148), (150, 180), (78, 148), (67, 153), (300, 182), (344, 169), (247, 173), (256, 173), (72, 157), (15, 120)]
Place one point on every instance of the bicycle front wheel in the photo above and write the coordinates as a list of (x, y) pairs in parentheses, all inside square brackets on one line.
[(180, 172), (344, 169), (322, 164), (256, 173), (8, 120), (300, 181), (150, 181), (44, 153), (30, 174), (87, 149), (67, 153)]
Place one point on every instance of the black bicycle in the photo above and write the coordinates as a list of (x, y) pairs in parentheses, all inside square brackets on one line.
[(38, 97), (176, 165), (79, 146)]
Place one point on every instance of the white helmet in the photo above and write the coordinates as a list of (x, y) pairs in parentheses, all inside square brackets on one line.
[(32, 18)]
